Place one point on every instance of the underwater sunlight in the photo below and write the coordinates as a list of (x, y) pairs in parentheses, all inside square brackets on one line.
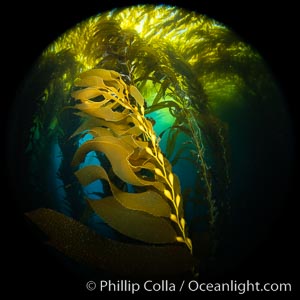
[(150, 133)]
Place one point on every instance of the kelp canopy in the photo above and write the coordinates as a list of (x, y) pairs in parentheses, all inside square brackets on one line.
[(123, 103)]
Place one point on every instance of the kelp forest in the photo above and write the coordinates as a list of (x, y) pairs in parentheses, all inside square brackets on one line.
[(128, 152)]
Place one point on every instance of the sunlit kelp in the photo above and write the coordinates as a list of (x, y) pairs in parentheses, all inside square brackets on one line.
[(121, 131), (152, 56), (187, 73)]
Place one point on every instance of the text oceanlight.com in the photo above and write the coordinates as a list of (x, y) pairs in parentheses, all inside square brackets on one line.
[(186, 285)]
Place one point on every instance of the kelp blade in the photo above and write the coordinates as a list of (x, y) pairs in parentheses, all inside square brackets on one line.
[(150, 201), (133, 223), (83, 245)]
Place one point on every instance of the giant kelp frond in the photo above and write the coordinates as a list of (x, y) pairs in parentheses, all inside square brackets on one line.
[(126, 137)]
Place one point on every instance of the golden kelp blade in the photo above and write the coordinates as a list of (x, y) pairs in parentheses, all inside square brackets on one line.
[(136, 95), (117, 152), (83, 245), (133, 223), (149, 202)]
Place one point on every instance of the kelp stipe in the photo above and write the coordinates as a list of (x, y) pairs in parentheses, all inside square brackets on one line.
[(114, 115)]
